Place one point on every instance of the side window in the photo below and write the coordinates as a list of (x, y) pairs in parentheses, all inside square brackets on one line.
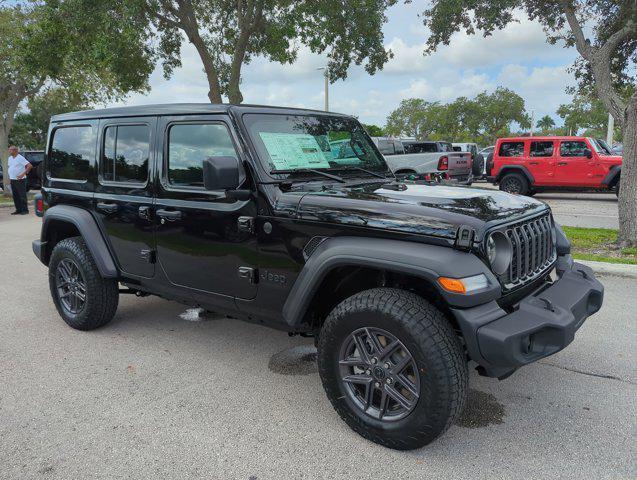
[(72, 152), (541, 149), (429, 148), (189, 145), (125, 154), (386, 147), (573, 149), (512, 149)]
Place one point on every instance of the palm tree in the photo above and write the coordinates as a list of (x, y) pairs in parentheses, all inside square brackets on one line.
[(545, 123)]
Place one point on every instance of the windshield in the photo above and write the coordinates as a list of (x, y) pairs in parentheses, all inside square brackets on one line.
[(317, 142)]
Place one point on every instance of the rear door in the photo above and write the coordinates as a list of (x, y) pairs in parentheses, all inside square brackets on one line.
[(573, 167), (540, 161), (123, 198), (205, 239)]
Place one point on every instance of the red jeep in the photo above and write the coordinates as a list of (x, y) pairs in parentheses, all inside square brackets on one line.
[(526, 165)]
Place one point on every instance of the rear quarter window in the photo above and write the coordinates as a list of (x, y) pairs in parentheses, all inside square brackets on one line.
[(511, 149), (72, 152)]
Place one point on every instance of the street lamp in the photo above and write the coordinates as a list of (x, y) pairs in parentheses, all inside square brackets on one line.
[(326, 75)]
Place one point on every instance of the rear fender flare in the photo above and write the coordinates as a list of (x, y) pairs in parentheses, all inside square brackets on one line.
[(90, 232), (518, 169), (428, 262)]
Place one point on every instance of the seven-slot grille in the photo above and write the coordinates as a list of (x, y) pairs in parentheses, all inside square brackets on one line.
[(533, 250)]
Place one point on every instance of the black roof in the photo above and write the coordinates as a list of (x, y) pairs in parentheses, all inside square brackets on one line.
[(179, 109)]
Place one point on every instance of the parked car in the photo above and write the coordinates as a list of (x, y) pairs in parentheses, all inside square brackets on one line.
[(240, 210), (526, 165), (407, 157), (486, 151), (477, 158), (34, 178)]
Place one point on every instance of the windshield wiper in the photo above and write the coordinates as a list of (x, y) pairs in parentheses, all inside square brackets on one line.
[(310, 170), (352, 168)]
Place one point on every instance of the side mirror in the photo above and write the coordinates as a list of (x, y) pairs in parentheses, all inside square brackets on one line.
[(588, 153), (220, 173)]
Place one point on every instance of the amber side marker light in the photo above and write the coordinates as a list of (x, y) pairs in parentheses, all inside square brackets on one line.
[(464, 285), (452, 285)]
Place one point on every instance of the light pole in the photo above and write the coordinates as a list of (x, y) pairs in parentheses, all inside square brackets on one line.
[(326, 75)]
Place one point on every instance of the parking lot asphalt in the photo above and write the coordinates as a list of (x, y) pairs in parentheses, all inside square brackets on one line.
[(591, 210), (156, 395)]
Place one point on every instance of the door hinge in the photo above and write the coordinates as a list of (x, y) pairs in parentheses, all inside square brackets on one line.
[(245, 224), (149, 255), (249, 274)]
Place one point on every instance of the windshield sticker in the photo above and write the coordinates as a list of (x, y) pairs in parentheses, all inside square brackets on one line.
[(294, 150)]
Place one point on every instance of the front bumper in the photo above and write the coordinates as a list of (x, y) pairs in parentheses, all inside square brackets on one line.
[(542, 324)]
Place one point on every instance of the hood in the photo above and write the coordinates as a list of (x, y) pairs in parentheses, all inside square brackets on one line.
[(436, 210)]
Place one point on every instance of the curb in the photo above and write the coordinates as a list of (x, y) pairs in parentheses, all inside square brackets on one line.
[(615, 269)]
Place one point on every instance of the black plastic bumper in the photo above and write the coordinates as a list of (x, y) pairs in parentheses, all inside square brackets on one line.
[(39, 247), (541, 325)]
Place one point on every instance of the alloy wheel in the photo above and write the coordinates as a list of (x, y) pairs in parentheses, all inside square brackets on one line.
[(379, 374), (71, 287), (511, 185)]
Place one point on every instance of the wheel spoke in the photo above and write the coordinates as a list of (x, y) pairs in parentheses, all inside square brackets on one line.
[(352, 362), (388, 350), (399, 397), (384, 403), (362, 349), (376, 346), (358, 378), (409, 385), (400, 366)]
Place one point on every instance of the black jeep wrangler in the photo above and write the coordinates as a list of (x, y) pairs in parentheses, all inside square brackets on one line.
[(256, 213)]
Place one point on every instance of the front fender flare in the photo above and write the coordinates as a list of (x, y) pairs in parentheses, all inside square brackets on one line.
[(612, 174), (90, 232), (421, 260)]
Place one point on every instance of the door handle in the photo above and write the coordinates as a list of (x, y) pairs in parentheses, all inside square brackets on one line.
[(170, 215), (534, 163), (561, 164), (107, 208)]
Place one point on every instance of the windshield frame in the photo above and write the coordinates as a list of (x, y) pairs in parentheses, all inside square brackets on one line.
[(264, 162)]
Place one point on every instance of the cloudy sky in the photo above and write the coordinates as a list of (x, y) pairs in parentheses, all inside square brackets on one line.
[(517, 57)]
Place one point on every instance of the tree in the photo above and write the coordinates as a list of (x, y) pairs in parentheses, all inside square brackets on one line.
[(83, 47), (545, 123), (587, 112), (30, 127), (414, 117), (374, 130), (481, 119), (227, 34), (604, 32)]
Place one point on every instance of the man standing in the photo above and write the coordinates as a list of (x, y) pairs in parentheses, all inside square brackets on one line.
[(19, 167)]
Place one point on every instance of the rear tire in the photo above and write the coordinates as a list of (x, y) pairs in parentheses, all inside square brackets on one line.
[(84, 299), (514, 183), (432, 386)]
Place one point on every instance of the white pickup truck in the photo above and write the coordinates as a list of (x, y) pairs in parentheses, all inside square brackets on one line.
[(420, 158)]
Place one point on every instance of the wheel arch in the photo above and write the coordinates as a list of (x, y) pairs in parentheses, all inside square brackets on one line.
[(612, 177), (516, 169), (65, 221), (342, 266)]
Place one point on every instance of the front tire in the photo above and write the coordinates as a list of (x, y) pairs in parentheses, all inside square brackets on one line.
[(83, 298), (514, 183), (392, 367)]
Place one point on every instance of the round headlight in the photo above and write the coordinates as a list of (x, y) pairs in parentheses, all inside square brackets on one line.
[(499, 252)]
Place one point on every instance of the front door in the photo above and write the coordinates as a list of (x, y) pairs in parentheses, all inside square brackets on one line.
[(124, 194), (541, 161), (573, 167), (205, 239)]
